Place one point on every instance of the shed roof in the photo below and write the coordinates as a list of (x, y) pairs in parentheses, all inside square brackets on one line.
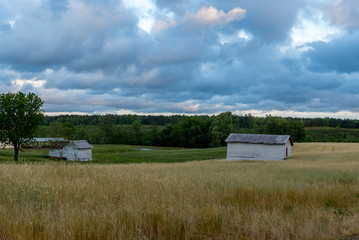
[(82, 144), (46, 140), (259, 139)]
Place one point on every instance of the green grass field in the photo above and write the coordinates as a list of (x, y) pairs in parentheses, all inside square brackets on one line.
[(131, 154), (312, 195), (125, 154)]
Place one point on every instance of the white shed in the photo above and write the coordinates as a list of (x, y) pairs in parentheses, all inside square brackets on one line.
[(258, 147), (79, 150), (4, 145)]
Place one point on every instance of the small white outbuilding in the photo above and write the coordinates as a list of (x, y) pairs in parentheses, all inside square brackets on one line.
[(79, 150), (4, 145), (258, 147)]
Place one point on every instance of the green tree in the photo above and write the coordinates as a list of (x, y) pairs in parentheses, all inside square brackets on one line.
[(20, 116), (120, 135), (274, 125), (137, 133), (247, 121), (220, 128), (297, 131), (107, 126), (69, 130), (55, 129), (65, 130), (81, 133), (152, 137), (165, 135), (190, 132), (95, 135)]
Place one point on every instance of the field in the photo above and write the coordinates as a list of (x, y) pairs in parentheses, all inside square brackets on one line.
[(312, 195)]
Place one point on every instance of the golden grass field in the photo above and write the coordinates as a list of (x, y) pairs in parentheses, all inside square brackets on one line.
[(312, 195)]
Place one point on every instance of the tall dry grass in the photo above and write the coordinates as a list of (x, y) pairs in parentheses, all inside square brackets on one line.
[(313, 195)]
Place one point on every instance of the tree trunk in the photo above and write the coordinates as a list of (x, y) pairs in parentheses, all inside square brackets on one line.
[(16, 151)]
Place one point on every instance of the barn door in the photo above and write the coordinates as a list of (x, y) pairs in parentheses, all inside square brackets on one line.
[(286, 152)]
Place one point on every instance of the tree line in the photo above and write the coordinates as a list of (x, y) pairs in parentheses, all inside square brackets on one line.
[(170, 131), (125, 119), (162, 120)]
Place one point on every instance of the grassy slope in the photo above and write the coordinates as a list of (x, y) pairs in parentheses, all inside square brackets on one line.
[(312, 195)]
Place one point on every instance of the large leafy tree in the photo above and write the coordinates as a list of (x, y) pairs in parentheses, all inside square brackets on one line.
[(190, 132), (137, 133), (20, 115), (220, 128)]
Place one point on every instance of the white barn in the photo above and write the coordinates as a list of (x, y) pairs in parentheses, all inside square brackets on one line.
[(79, 150), (258, 147)]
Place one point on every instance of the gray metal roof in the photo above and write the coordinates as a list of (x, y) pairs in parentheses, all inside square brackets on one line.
[(82, 144), (259, 139), (46, 140)]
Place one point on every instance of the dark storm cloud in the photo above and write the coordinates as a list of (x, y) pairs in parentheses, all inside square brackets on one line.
[(271, 20), (200, 57), (341, 54), (41, 42)]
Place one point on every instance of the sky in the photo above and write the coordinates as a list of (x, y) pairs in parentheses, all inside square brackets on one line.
[(286, 58)]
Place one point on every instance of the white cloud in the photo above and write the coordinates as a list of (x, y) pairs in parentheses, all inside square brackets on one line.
[(35, 83), (162, 25), (241, 36), (290, 113), (311, 27), (205, 17), (211, 16), (12, 23), (145, 11)]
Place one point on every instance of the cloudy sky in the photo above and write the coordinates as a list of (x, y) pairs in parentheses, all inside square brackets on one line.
[(287, 58)]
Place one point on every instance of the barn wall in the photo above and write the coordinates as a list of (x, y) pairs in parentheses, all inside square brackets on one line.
[(73, 154), (70, 153), (54, 153), (238, 151), (84, 154)]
